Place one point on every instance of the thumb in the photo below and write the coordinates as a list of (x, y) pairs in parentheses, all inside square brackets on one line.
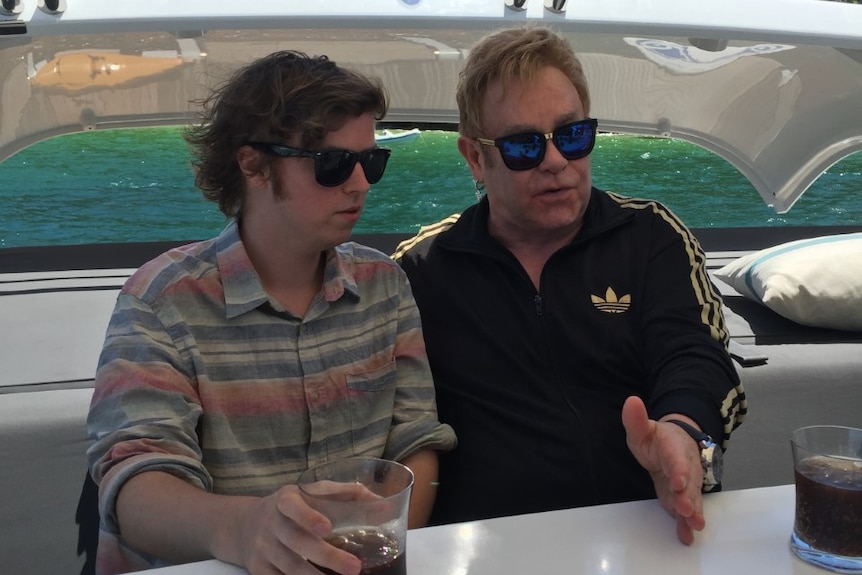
[(636, 421)]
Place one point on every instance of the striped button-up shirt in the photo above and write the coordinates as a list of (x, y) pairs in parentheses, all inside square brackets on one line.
[(204, 375)]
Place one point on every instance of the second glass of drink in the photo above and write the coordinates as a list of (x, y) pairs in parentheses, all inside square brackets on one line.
[(828, 524)]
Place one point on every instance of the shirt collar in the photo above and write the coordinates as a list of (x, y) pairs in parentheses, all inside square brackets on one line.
[(243, 290), (338, 275)]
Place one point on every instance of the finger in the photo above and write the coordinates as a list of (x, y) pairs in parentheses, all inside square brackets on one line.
[(689, 515), (696, 520), (303, 533), (340, 491), (292, 506), (677, 469), (299, 546), (335, 559), (684, 531), (281, 561), (683, 505)]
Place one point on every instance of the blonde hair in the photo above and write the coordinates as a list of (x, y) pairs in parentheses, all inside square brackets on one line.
[(506, 55)]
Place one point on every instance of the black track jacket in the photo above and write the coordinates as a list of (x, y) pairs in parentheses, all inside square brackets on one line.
[(534, 383)]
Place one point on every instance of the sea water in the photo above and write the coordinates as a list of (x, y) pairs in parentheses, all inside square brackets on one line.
[(137, 185)]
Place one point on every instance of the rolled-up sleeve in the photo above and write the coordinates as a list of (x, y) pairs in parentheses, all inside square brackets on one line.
[(145, 409), (415, 422)]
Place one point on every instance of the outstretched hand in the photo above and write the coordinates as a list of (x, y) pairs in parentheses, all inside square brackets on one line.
[(673, 462)]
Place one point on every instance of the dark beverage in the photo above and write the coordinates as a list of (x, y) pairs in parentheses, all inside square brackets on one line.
[(378, 550), (829, 505)]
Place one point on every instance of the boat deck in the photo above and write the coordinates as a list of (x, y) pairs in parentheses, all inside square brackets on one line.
[(55, 305)]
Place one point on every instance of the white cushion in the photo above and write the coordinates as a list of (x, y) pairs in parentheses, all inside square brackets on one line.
[(815, 282)]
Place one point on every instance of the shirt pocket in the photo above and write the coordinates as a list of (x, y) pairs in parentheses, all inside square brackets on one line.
[(371, 397)]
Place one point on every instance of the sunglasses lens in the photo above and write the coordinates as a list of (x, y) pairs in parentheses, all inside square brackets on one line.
[(374, 164), (575, 140), (333, 167), (522, 151)]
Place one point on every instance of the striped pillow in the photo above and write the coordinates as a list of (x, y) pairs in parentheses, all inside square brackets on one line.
[(815, 282)]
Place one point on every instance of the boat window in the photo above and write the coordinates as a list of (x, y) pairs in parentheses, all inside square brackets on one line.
[(136, 185)]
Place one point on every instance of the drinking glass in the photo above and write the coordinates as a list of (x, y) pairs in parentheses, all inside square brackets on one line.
[(367, 501), (827, 530)]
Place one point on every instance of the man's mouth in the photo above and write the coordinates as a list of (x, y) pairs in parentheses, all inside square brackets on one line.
[(550, 191)]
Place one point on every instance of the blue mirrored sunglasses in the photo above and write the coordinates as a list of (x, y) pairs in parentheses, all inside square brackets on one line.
[(333, 167), (526, 150)]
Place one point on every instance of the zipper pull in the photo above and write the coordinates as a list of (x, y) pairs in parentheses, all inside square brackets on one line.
[(538, 301)]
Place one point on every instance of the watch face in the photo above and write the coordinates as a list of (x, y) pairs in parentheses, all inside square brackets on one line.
[(714, 462)]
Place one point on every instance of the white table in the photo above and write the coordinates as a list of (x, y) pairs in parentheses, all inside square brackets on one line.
[(747, 532)]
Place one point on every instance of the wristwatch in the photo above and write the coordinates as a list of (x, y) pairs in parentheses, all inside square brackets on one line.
[(710, 455)]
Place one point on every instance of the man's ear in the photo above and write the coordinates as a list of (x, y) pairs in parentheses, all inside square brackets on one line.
[(251, 163), (469, 148)]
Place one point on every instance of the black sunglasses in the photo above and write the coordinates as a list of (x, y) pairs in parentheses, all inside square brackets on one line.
[(526, 150), (333, 167)]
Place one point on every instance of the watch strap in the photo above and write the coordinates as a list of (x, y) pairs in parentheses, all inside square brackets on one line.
[(708, 451), (699, 436)]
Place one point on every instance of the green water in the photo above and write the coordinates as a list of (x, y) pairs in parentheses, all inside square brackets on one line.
[(136, 185)]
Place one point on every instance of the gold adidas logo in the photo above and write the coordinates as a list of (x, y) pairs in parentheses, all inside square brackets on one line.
[(611, 303)]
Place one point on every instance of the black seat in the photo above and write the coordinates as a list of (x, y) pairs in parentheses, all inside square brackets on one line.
[(87, 518)]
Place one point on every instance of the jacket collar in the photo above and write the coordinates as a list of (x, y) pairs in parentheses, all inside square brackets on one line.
[(470, 232)]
